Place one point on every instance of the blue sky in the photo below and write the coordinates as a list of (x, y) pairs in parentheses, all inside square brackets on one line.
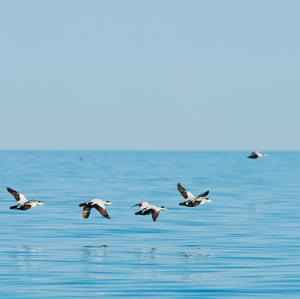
[(179, 75)]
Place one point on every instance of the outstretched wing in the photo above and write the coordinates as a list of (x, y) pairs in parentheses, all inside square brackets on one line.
[(18, 196), (13, 192), (102, 211), (184, 193), (154, 214), (203, 194), (182, 190), (86, 211)]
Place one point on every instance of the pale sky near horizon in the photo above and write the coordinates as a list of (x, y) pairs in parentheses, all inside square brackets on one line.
[(162, 74)]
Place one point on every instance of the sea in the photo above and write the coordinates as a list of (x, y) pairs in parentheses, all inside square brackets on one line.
[(244, 244)]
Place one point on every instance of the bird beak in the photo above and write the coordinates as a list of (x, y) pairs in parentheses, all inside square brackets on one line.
[(134, 206)]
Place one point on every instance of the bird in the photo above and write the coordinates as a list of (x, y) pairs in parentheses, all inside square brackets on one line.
[(192, 200), (98, 204), (147, 209), (23, 202), (255, 155)]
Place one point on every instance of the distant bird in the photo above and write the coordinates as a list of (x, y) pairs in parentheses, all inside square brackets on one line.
[(98, 204), (147, 209), (255, 155), (23, 202), (192, 200)]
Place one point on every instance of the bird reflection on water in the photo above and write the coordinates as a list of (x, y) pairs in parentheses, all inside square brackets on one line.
[(194, 255), (147, 253), (26, 256), (97, 253)]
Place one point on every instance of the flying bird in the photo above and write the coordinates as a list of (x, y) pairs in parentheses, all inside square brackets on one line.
[(23, 202), (98, 204), (192, 200), (255, 155), (147, 209)]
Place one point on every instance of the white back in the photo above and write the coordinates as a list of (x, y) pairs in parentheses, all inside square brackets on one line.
[(144, 205), (23, 199), (98, 202), (190, 195)]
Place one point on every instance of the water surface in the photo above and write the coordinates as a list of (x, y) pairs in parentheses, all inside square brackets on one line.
[(243, 245)]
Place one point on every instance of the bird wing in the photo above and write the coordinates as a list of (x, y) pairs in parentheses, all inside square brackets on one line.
[(184, 193), (154, 214), (102, 211), (203, 194), (182, 190), (13, 192), (86, 211), (18, 196), (26, 206)]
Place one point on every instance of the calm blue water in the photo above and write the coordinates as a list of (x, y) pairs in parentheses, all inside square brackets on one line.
[(244, 244)]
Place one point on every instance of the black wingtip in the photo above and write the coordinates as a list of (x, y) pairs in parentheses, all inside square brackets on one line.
[(12, 191), (204, 194)]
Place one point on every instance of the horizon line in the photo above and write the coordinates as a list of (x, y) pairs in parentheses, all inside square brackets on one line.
[(149, 150)]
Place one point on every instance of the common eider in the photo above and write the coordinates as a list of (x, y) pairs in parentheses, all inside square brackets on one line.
[(23, 202), (98, 204), (147, 209), (255, 155), (192, 200)]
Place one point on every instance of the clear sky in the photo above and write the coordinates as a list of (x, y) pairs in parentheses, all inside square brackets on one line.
[(156, 74)]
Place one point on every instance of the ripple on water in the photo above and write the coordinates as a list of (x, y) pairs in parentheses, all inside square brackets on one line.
[(244, 244)]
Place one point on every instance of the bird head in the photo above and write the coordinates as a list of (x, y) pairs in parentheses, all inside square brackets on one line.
[(40, 203), (162, 208), (107, 202)]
